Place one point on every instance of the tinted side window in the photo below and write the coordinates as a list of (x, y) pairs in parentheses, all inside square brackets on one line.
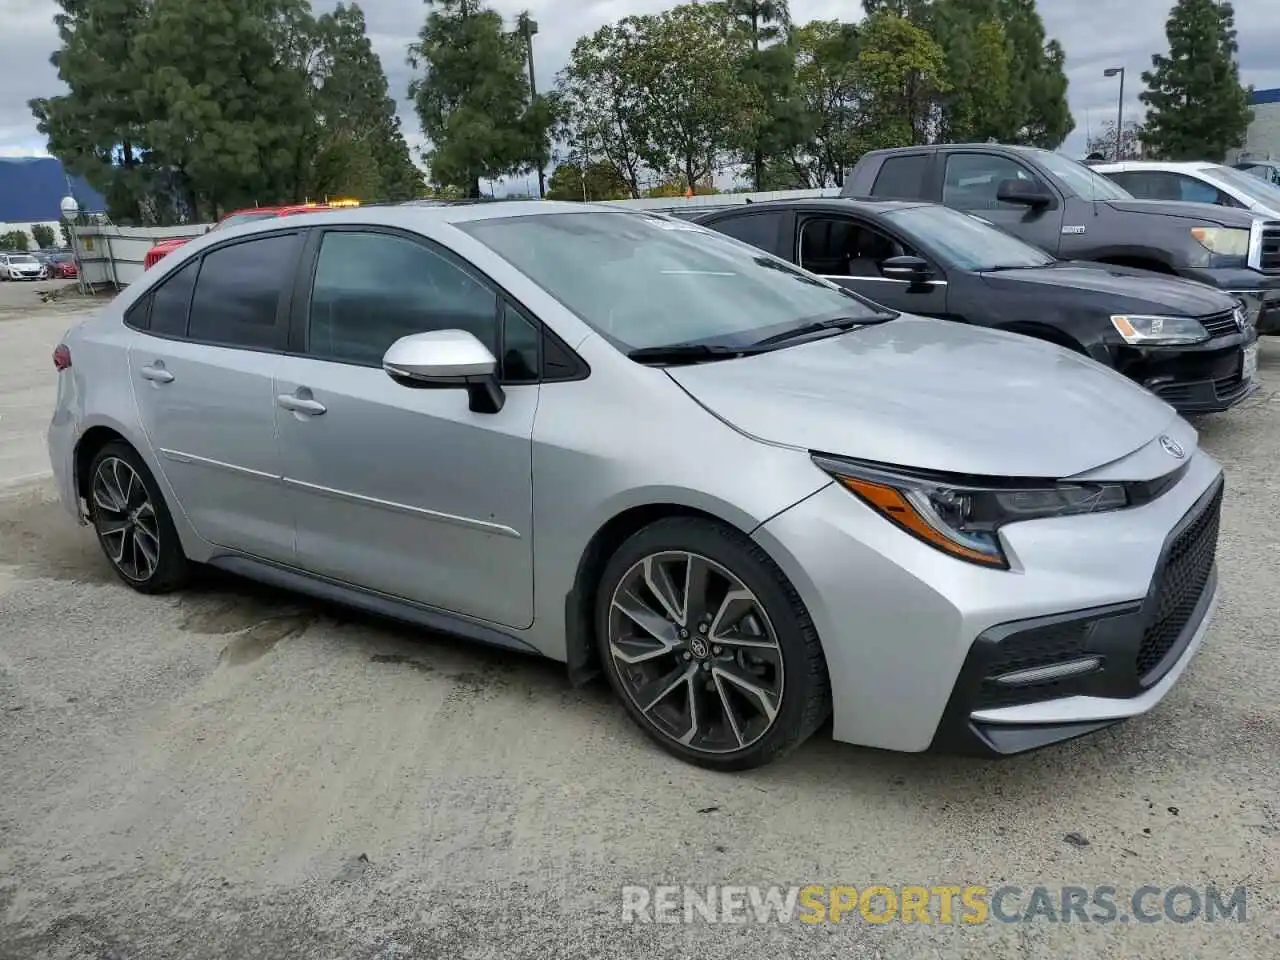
[(972, 180), (171, 301), (371, 289), (758, 229), (901, 177), (1197, 191), (138, 316), (238, 293)]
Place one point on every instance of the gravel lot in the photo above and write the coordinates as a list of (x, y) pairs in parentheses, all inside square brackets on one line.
[(234, 772)]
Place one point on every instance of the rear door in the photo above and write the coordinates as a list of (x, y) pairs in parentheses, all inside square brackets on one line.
[(202, 372), (850, 250), (770, 230), (970, 182)]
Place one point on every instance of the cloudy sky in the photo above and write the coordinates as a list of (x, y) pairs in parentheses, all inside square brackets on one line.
[(1096, 34)]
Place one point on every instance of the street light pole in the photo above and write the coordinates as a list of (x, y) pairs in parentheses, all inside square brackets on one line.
[(1111, 72), (528, 27)]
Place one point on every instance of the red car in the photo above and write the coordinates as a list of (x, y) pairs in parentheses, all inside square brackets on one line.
[(61, 267), (234, 218)]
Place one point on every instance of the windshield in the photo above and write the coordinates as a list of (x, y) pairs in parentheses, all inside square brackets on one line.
[(646, 281), (1255, 188), (1087, 184), (22, 258), (966, 241), (238, 218)]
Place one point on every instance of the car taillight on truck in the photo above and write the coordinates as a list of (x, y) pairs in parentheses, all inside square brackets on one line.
[(62, 357)]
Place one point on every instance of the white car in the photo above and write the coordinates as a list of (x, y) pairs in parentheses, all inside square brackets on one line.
[(20, 266), (1195, 182)]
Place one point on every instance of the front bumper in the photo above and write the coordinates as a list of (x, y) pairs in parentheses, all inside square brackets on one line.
[(1028, 684), (1201, 378), (907, 630)]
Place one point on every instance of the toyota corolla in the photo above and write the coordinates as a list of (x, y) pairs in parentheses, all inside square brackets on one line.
[(751, 498)]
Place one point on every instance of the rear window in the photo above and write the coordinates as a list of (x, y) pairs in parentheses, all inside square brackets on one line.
[(901, 177)]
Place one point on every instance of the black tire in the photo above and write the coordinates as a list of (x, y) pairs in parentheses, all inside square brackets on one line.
[(171, 568), (805, 696)]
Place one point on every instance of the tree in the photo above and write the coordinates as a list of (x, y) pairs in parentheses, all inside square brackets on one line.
[(473, 98), (691, 96), (980, 61), (1038, 109), (14, 240), (827, 80), (356, 144), (95, 129), (1104, 141), (767, 70), (599, 101), (43, 235), (901, 72), (224, 97), (599, 180), (1196, 107)]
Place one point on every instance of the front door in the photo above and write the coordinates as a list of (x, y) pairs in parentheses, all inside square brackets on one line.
[(971, 182), (400, 490), (850, 251), (202, 371)]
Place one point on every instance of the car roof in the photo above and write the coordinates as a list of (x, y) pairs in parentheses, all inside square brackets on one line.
[(1171, 166), (869, 206)]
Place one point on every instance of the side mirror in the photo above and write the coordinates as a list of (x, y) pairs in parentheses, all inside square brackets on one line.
[(913, 269), (447, 358), (1027, 193)]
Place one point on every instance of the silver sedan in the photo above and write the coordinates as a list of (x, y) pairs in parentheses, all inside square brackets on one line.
[(752, 499)]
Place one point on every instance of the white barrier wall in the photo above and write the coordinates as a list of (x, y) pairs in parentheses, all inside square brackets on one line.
[(113, 256)]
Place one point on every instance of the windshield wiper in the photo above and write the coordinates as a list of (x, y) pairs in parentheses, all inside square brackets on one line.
[(688, 353), (1003, 267), (835, 325)]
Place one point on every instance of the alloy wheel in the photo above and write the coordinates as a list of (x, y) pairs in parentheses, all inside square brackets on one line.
[(695, 652), (125, 519)]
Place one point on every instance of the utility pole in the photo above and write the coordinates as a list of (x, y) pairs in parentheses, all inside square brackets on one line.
[(527, 27), (1111, 72)]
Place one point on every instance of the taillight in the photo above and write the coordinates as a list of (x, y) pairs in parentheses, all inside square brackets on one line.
[(61, 357)]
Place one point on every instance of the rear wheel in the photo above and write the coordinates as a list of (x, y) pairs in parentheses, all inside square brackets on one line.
[(709, 647), (132, 522)]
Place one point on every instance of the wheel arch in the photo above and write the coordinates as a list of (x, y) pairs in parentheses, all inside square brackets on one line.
[(581, 657), (1048, 333)]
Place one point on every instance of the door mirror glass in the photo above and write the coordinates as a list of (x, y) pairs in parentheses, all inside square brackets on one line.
[(439, 356), (1026, 193), (906, 268)]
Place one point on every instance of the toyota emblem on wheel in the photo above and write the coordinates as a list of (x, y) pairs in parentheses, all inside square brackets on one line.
[(1172, 447)]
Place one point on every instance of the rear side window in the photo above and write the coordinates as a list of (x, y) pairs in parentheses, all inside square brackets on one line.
[(171, 301), (901, 177), (237, 298), (758, 229)]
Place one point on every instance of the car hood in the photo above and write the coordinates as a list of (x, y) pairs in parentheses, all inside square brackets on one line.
[(1125, 287), (936, 395), (1203, 212)]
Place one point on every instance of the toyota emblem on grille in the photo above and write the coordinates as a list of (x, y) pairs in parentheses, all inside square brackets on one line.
[(1172, 447)]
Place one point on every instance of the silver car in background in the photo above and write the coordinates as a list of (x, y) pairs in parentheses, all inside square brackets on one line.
[(752, 499)]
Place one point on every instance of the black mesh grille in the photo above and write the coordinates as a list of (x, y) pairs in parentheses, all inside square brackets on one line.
[(1269, 256), (1182, 582), (1033, 649), (1220, 324)]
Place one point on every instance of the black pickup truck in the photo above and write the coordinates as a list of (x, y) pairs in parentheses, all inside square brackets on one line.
[(1074, 213)]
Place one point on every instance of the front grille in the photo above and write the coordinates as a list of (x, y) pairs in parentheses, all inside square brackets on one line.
[(1220, 324), (1033, 649), (1269, 254), (1182, 582)]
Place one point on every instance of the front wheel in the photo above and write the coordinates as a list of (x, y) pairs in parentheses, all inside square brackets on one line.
[(709, 646)]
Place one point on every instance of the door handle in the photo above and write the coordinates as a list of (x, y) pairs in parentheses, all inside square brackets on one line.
[(312, 408), (156, 373)]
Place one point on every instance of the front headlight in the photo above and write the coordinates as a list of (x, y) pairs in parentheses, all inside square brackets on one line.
[(963, 517), (1224, 241), (1140, 329)]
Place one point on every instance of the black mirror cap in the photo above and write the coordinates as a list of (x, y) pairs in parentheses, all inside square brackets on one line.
[(906, 268), (1025, 192)]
